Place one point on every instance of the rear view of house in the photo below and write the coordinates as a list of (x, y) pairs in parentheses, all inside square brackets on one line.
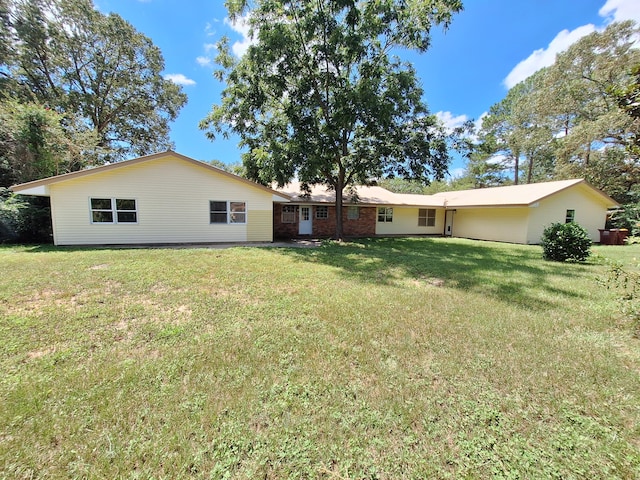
[(169, 198)]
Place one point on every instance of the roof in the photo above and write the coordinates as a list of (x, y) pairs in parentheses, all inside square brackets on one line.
[(40, 187), (364, 196), (514, 195)]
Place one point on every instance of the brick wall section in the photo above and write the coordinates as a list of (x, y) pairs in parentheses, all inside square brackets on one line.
[(364, 226)]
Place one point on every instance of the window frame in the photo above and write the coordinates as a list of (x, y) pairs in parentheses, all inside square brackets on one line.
[(426, 217), (114, 211), (290, 215), (350, 215), (322, 208), (570, 215), (229, 212), (385, 215)]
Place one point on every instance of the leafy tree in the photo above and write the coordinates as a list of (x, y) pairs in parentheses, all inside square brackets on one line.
[(556, 123), (573, 94), (320, 95), (94, 67), (628, 98), (34, 144)]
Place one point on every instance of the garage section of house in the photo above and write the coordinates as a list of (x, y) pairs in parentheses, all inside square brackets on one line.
[(520, 213), (156, 199)]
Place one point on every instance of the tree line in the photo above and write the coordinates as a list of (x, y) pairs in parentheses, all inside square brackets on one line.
[(578, 118)]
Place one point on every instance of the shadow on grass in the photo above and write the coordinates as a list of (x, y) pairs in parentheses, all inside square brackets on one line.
[(516, 274)]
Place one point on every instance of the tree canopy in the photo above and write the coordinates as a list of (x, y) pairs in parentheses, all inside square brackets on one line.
[(571, 119), (94, 69), (323, 96)]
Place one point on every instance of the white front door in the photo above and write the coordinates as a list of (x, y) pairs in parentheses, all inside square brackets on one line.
[(448, 223), (305, 227)]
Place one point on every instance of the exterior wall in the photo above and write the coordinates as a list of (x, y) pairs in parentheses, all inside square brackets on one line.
[(172, 206), (591, 212), (501, 224), (405, 222), (363, 226)]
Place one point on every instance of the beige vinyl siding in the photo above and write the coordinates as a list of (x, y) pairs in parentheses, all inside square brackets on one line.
[(405, 222), (260, 226), (172, 203), (591, 212), (502, 224)]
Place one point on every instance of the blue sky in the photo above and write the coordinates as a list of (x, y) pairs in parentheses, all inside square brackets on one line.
[(489, 47)]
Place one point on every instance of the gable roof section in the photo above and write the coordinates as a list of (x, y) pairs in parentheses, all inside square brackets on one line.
[(516, 195), (40, 187), (364, 196)]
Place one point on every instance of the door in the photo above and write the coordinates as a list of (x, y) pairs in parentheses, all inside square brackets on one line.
[(305, 227), (448, 223)]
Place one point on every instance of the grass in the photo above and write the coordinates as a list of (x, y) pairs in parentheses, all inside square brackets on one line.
[(385, 358)]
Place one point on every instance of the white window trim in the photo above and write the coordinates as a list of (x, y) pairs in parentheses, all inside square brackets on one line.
[(114, 211), (228, 212), (427, 218), (386, 210)]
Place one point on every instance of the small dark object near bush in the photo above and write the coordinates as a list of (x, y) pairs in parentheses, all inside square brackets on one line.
[(565, 242)]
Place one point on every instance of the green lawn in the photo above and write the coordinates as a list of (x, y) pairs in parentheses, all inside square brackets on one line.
[(387, 358)]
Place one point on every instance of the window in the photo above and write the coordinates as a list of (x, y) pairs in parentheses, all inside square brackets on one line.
[(322, 212), (288, 214), (113, 210), (570, 217), (353, 212), (227, 212), (385, 214), (427, 217)]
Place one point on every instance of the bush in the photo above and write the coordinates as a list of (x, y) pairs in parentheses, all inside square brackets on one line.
[(566, 242)]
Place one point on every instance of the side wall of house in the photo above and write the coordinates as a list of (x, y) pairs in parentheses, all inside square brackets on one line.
[(172, 198), (501, 224), (405, 222), (590, 212)]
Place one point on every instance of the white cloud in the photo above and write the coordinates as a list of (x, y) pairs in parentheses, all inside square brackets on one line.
[(544, 57), (241, 26), (619, 10), (449, 121), (611, 11), (203, 61), (179, 79)]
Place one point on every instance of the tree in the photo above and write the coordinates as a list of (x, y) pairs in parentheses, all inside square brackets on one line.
[(573, 94), (34, 143), (628, 98), (564, 121), (94, 67), (320, 95)]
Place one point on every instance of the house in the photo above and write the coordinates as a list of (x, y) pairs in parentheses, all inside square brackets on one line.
[(169, 198), (366, 212), (520, 213), (156, 199), (514, 214)]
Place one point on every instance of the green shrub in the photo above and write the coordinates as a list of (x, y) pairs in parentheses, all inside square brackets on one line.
[(566, 242)]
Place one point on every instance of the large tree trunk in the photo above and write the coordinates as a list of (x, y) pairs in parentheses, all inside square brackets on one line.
[(339, 189), (516, 168), (530, 170)]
